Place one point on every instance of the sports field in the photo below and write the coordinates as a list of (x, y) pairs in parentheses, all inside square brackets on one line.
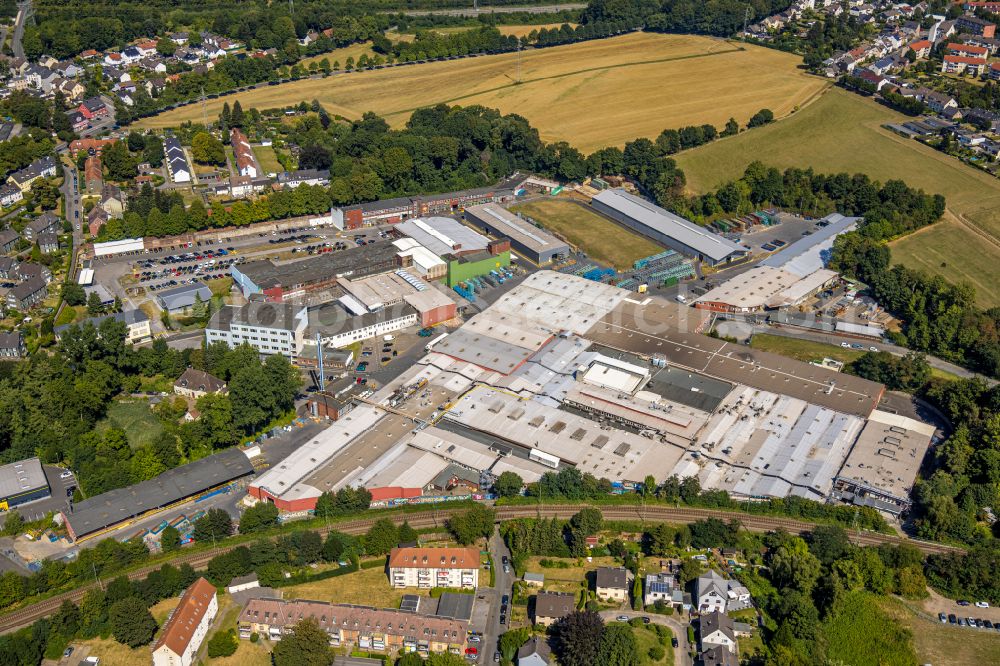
[(841, 131), (599, 238), (591, 94)]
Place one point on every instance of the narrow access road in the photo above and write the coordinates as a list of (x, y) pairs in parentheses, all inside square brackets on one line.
[(682, 653)]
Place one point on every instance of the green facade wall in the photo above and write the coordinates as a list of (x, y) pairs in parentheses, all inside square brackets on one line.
[(461, 271)]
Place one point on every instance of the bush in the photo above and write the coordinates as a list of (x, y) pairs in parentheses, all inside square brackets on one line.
[(254, 637), (553, 564), (656, 653), (222, 644)]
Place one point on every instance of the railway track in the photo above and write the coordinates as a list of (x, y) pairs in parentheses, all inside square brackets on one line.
[(429, 519)]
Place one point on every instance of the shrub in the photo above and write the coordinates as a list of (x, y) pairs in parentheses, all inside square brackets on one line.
[(222, 644), (656, 653), (254, 637)]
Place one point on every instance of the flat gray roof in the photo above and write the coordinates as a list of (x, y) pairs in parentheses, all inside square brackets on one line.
[(518, 229), (114, 506), (456, 606), (663, 221), (648, 329), (352, 262), (811, 253), (184, 296), (21, 477)]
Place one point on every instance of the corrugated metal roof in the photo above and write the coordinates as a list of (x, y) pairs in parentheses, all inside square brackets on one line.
[(811, 253), (710, 244)]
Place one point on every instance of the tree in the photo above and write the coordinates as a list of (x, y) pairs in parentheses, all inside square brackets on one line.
[(307, 645), (214, 525), (475, 523), (510, 641), (792, 565), (618, 646), (261, 516), (508, 484), (829, 543), (73, 294), (131, 622), (762, 117), (382, 537), (206, 149), (407, 534), (170, 539), (13, 524), (578, 638), (94, 306), (165, 46), (732, 128), (222, 644)]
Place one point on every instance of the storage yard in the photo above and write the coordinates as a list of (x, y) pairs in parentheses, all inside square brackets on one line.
[(664, 74)]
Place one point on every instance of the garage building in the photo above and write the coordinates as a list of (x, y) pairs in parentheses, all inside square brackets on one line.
[(22, 482), (666, 228), (536, 245)]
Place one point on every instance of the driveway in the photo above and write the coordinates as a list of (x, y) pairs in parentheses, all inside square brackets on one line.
[(682, 653)]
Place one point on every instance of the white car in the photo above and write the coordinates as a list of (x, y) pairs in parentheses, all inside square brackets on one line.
[(845, 345), (982, 604), (874, 349), (66, 475), (622, 618)]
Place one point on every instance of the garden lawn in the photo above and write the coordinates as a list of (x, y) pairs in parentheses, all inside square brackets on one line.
[(863, 634), (368, 587), (268, 159), (135, 417)]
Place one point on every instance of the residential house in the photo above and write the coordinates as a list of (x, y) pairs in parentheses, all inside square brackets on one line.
[(68, 69), (12, 345), (968, 50), (10, 195), (612, 583), (178, 38), (40, 168), (48, 243), (76, 146), (982, 118), (659, 587), (97, 218), (77, 120), (956, 64), (8, 240), (995, 71), (71, 89), (25, 295), (293, 179), (739, 597), (712, 592), (177, 163), (94, 108), (716, 629), (113, 200), (8, 268), (535, 652), (47, 222), (93, 174), (975, 26), (137, 325), (434, 567), (187, 627), (27, 271), (196, 383), (356, 627), (935, 101), (246, 165), (991, 44), (550, 607), (719, 655)]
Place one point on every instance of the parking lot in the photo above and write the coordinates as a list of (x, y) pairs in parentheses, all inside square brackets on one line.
[(790, 229)]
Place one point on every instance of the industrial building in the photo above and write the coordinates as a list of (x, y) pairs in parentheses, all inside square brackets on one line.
[(180, 300), (666, 228), (462, 251), (22, 482), (564, 372), (393, 211), (270, 328), (536, 245), (786, 278), (97, 514), (278, 282)]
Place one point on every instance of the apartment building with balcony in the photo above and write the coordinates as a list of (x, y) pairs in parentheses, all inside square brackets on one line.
[(434, 567)]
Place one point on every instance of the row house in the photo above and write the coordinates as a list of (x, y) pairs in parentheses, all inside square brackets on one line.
[(246, 164), (76, 146), (10, 195), (40, 168), (27, 294), (922, 47), (47, 222), (8, 243), (975, 26), (991, 44), (968, 50), (359, 627)]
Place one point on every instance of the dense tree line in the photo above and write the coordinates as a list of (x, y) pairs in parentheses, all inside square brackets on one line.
[(716, 17)]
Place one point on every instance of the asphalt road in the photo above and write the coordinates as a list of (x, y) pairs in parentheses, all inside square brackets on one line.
[(504, 585), (542, 9), (24, 11), (682, 653)]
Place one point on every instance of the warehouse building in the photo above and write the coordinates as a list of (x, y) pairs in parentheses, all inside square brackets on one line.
[(422, 261), (666, 228), (180, 300), (22, 482), (278, 282), (534, 244), (97, 514)]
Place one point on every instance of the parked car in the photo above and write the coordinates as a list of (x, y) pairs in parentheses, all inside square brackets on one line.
[(982, 604), (963, 602), (943, 618), (622, 618), (952, 619)]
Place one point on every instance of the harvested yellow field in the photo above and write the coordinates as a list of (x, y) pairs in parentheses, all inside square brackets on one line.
[(353, 51), (590, 94)]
